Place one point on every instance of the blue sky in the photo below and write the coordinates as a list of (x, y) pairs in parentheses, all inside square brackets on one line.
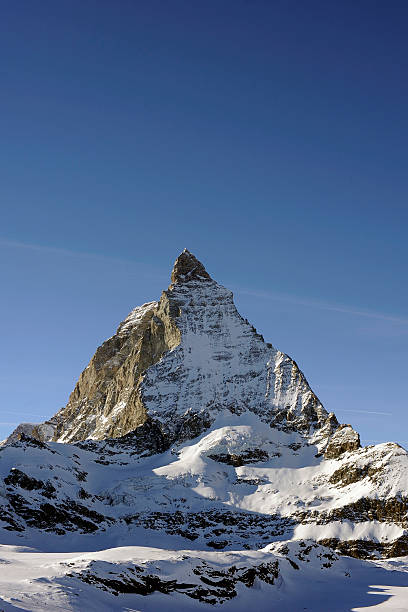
[(269, 138)]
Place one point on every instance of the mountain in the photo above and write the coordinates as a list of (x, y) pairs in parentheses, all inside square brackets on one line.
[(195, 458), (195, 339)]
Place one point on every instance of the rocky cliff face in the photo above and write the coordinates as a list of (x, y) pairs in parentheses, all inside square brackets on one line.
[(106, 401)]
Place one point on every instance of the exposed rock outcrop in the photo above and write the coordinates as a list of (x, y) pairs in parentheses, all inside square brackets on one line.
[(344, 439), (187, 268)]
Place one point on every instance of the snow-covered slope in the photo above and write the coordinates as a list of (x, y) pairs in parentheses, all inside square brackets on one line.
[(203, 467), (288, 577), (213, 520), (240, 484)]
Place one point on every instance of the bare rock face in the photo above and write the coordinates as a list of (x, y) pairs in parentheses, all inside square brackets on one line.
[(106, 402), (35, 431), (187, 268), (41, 432), (344, 439)]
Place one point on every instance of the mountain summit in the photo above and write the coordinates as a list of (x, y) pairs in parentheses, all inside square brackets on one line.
[(196, 463), (182, 361), (187, 268)]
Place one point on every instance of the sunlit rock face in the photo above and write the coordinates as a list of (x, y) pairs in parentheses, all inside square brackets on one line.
[(344, 439)]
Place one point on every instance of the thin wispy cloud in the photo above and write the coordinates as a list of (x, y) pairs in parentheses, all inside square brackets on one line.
[(366, 412), (143, 267), (12, 244), (342, 387), (299, 301)]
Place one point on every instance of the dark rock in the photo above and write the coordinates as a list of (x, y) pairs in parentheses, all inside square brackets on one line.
[(249, 456), (187, 268)]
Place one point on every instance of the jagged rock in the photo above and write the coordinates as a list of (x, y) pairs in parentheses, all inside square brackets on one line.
[(390, 510), (348, 474), (188, 268), (19, 478), (219, 528), (106, 402), (366, 549), (41, 432), (344, 439), (247, 457), (147, 439)]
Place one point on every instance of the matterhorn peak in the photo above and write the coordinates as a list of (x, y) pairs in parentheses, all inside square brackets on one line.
[(187, 268), (183, 361)]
